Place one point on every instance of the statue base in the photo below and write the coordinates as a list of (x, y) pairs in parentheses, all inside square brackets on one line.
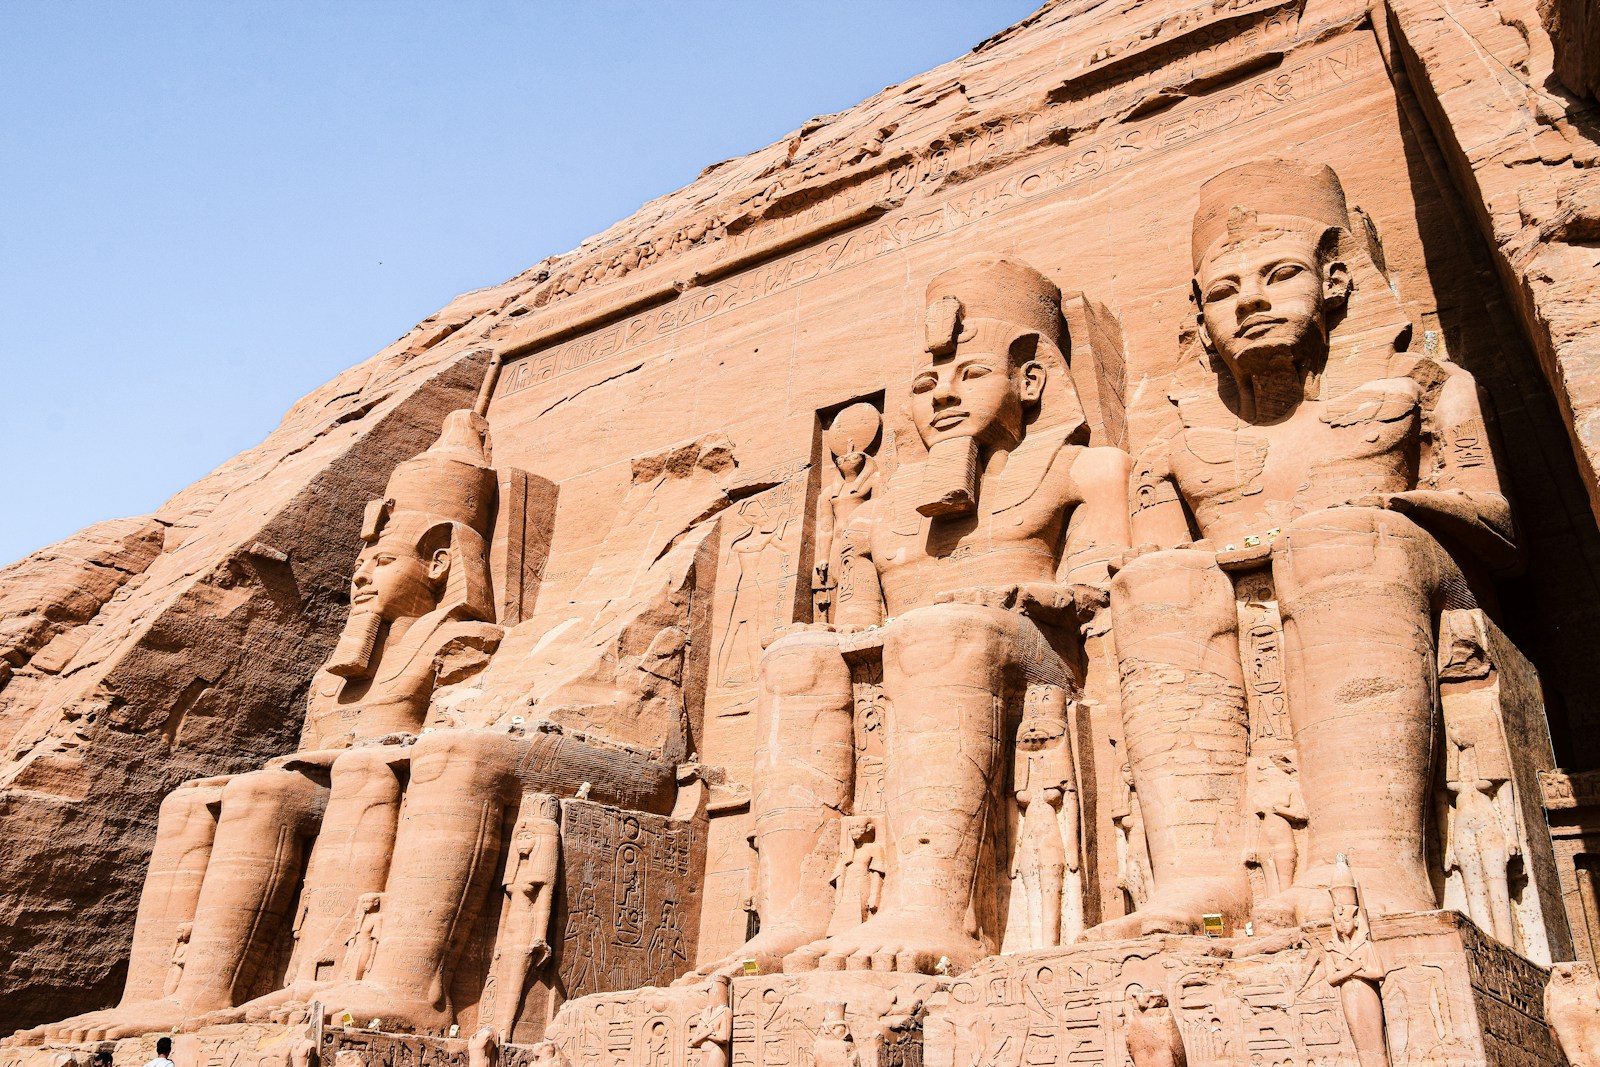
[(1451, 997)]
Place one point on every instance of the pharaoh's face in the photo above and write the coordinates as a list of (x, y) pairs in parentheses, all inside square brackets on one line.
[(393, 581), (975, 392), (1264, 298), (1344, 920)]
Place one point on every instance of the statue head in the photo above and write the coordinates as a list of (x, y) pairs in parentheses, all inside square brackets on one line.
[(424, 543), (368, 902), (993, 324), (1269, 270), (1044, 716), (855, 829)]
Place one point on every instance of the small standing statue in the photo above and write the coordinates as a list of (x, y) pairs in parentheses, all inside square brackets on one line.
[(1355, 970), (483, 1048), (1572, 1011), (835, 1047), (853, 431), (712, 1030), (529, 887), (1047, 859), (1133, 855), (858, 879), (1480, 818), (1153, 1038), (180, 956), (1279, 815), (362, 944)]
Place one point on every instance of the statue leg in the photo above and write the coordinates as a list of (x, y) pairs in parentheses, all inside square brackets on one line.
[(445, 854), (1355, 586), (350, 857), (948, 671), (244, 900), (802, 782), (1183, 707), (185, 834)]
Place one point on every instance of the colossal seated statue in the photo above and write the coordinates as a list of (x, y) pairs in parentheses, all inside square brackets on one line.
[(964, 576), (1306, 443), (397, 827)]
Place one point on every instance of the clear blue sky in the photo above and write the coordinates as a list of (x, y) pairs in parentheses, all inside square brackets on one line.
[(209, 209)]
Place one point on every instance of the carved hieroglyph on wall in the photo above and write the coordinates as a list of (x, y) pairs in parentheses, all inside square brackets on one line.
[(632, 898)]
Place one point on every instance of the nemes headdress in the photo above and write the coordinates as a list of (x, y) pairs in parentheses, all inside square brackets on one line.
[(445, 494), (1269, 192), (987, 289)]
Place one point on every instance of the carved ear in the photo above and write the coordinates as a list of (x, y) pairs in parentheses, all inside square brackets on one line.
[(439, 563), (1031, 377), (1336, 284), (944, 325)]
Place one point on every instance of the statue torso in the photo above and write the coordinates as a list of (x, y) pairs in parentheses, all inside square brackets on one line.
[(1015, 536), (1240, 479)]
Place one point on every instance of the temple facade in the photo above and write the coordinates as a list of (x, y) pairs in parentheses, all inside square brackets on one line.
[(1087, 557)]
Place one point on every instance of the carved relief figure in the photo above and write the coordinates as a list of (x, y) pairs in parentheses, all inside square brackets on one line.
[(972, 556), (1304, 440), (1047, 863), (858, 879), (1133, 855), (1152, 1034), (530, 879), (180, 955), (362, 944), (1479, 816), (747, 620), (851, 435), (1356, 972), (712, 1032), (1273, 799), (835, 1047)]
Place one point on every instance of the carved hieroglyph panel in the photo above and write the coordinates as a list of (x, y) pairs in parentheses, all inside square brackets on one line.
[(630, 912)]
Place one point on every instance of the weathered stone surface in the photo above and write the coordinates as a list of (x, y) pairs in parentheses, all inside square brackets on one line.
[(1098, 493)]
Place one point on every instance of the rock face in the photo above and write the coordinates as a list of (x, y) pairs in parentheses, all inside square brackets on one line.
[(1078, 558)]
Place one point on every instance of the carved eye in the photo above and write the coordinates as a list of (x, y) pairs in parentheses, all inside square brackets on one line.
[(1284, 271), (1220, 291), (923, 383), (973, 370)]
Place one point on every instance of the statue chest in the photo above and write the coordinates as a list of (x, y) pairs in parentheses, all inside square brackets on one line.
[(1248, 479)]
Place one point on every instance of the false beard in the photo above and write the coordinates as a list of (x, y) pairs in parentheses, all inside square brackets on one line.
[(950, 478), (352, 656)]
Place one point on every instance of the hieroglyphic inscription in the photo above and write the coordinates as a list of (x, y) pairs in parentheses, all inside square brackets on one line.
[(391, 1050), (1046, 174), (631, 898)]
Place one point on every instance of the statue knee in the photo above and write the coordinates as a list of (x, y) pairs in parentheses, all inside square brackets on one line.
[(274, 796), (1175, 587), (941, 638), (1361, 545), (476, 759), (804, 663), (359, 770)]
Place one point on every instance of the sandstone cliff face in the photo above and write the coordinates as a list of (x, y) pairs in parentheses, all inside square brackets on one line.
[(668, 376)]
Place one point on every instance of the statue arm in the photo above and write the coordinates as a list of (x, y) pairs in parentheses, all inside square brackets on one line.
[(1462, 498), (1158, 515), (1098, 531)]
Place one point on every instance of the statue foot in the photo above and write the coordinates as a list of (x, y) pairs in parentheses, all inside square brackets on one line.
[(767, 949), (365, 1001), (129, 1020), (1179, 910), (909, 942)]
